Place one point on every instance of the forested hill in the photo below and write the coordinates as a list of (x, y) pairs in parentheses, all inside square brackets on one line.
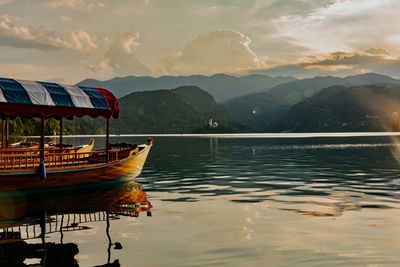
[(181, 110), (221, 86), (361, 108), (257, 111)]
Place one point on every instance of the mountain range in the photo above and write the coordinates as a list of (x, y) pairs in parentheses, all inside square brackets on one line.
[(354, 103), (222, 87), (344, 109), (256, 112)]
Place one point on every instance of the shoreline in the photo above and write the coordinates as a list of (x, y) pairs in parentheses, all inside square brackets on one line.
[(247, 135)]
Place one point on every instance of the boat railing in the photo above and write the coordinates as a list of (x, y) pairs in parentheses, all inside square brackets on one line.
[(30, 229), (56, 223), (25, 150), (29, 159)]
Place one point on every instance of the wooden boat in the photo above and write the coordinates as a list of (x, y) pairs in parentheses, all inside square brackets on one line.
[(47, 167)]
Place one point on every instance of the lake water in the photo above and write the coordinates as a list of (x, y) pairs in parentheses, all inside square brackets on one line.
[(204, 201)]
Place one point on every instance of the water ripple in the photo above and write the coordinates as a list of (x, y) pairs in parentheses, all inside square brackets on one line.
[(250, 171)]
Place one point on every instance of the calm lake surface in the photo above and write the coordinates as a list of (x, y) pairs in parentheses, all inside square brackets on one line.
[(227, 202)]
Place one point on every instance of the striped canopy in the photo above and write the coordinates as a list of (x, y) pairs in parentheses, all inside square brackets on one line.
[(52, 100)]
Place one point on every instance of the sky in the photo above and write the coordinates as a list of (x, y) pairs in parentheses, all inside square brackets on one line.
[(70, 40)]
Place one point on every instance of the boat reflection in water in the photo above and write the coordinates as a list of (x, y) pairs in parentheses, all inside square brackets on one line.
[(26, 221)]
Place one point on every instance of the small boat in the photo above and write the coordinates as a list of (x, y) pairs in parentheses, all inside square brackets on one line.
[(83, 151), (24, 143), (52, 146), (45, 166)]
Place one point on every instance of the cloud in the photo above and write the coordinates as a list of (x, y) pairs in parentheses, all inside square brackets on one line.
[(343, 25), (31, 71), (121, 57), (82, 41), (65, 18), (82, 5), (127, 43), (262, 9), (3, 2), (14, 35), (373, 51), (372, 59), (218, 51), (22, 36)]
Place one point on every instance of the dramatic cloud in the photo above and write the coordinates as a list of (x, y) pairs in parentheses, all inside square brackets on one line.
[(22, 36), (83, 5), (343, 25), (373, 51), (118, 58), (15, 35), (264, 10), (121, 57), (299, 37), (373, 59), (82, 41), (2, 2), (219, 51)]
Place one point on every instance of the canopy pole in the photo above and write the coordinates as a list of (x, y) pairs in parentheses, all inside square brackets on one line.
[(61, 134), (107, 140), (41, 144), (42, 165), (2, 133), (7, 131)]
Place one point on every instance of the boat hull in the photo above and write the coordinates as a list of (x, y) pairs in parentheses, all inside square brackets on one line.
[(127, 168)]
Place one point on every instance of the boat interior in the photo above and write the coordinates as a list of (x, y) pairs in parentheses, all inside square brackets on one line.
[(23, 156)]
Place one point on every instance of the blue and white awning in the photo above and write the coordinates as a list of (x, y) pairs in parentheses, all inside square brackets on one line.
[(46, 99)]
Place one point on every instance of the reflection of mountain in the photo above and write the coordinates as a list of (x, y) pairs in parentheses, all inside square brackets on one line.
[(223, 87), (26, 219)]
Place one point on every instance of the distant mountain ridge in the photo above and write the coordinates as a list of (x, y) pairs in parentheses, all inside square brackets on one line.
[(256, 111), (310, 86), (222, 87)]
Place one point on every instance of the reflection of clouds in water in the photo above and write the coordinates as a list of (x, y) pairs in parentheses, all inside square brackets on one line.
[(234, 234), (396, 148), (32, 262), (135, 236), (248, 222), (92, 231), (325, 146), (82, 256), (133, 222)]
